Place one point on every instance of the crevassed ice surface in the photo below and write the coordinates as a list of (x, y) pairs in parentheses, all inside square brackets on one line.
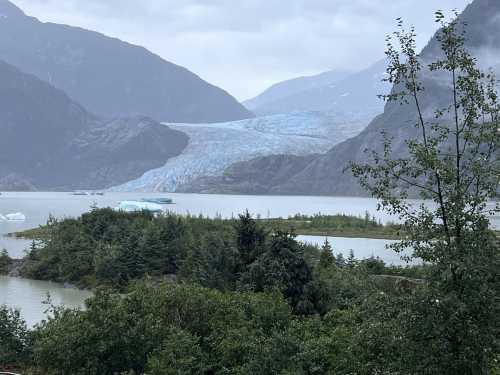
[(214, 147)]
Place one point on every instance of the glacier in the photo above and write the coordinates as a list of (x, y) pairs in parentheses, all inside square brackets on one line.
[(214, 147)]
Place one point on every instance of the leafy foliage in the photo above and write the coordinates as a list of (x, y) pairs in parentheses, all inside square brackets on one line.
[(452, 324), (191, 295), (14, 338)]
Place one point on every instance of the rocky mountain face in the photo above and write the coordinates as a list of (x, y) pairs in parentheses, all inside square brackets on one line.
[(48, 141), (338, 93), (257, 176), (325, 174), (285, 89), (110, 77), (15, 182)]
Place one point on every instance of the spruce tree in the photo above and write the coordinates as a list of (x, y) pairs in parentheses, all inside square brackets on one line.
[(326, 259)]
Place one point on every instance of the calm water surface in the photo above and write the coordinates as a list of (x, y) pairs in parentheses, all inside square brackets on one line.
[(38, 206), (28, 295), (361, 247)]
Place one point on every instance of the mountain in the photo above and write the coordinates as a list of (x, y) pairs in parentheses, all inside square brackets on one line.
[(290, 87), (214, 147), (251, 177), (15, 182), (324, 174), (50, 142), (332, 92), (110, 77)]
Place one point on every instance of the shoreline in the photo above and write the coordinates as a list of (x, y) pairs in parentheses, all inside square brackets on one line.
[(36, 234)]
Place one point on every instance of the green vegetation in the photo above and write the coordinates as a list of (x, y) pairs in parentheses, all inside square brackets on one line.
[(198, 295), (14, 339), (31, 234), (337, 226), (209, 296), (109, 248), (5, 262), (315, 225), (452, 325)]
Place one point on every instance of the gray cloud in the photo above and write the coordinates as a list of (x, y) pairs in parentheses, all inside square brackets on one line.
[(244, 46)]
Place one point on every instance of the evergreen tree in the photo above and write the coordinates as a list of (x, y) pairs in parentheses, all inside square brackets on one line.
[(5, 262), (327, 259), (282, 267), (351, 260), (250, 238)]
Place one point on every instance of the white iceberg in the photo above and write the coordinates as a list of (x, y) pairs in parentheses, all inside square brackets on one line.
[(18, 216), (135, 206)]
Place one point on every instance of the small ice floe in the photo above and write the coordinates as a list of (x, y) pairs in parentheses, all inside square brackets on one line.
[(18, 216), (136, 206), (80, 193)]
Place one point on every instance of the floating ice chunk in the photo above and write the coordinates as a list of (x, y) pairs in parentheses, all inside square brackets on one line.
[(135, 206), (18, 216)]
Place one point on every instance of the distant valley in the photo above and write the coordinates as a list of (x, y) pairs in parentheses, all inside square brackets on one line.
[(303, 117), (84, 111), (326, 174), (214, 147), (81, 110)]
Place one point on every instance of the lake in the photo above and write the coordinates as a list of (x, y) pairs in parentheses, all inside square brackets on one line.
[(361, 247), (28, 295), (38, 206)]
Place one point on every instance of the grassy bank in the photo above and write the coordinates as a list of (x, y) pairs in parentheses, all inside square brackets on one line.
[(315, 225), (31, 234), (336, 226)]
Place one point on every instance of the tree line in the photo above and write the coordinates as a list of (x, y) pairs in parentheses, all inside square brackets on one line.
[(199, 296)]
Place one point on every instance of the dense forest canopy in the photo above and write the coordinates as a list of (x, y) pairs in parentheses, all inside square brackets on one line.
[(177, 295)]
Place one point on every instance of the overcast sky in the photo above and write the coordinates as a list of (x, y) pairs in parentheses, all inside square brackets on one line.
[(244, 46)]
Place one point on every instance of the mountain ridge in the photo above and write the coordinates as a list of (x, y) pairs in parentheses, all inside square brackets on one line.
[(341, 94), (292, 86), (326, 174), (108, 76), (51, 142)]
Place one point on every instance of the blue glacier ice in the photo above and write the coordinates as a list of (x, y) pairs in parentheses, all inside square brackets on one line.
[(214, 147)]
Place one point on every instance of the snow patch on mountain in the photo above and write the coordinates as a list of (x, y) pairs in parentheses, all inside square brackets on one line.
[(214, 147)]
